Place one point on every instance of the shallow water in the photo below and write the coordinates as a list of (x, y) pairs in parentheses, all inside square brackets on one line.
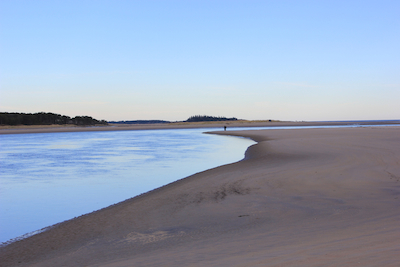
[(51, 177)]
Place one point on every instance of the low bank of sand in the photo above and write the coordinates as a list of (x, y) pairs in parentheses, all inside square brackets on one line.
[(303, 197), (22, 129)]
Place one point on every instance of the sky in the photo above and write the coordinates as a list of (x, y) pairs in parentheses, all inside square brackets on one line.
[(169, 60)]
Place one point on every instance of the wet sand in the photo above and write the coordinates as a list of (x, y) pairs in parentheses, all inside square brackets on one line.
[(303, 197)]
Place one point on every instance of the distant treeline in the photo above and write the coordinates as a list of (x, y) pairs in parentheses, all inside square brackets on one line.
[(196, 118), (43, 118), (139, 122), (209, 118)]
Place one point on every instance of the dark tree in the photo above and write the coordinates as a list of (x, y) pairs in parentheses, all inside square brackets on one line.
[(43, 118), (198, 118)]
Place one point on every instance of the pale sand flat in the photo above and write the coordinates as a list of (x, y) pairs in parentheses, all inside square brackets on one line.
[(305, 197), (23, 129)]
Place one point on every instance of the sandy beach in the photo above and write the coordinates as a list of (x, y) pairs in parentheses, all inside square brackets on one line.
[(301, 197)]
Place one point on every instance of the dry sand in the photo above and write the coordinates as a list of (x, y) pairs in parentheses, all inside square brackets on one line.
[(304, 197)]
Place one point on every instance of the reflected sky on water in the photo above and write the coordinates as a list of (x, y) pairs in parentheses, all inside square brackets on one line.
[(51, 177)]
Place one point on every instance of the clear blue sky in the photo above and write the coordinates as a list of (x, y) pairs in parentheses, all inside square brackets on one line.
[(128, 60)]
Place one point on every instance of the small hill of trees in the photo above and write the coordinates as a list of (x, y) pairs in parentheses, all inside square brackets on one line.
[(43, 118), (197, 118)]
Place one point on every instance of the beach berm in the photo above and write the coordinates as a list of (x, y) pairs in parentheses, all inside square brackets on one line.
[(301, 197)]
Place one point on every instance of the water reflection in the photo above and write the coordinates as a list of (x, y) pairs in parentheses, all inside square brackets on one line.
[(51, 177)]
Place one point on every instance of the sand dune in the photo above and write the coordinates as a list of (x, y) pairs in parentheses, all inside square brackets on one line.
[(305, 197)]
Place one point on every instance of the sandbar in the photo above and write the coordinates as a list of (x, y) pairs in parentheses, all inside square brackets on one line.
[(301, 197), (24, 129)]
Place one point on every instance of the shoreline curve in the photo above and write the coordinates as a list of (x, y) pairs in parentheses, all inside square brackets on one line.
[(303, 197)]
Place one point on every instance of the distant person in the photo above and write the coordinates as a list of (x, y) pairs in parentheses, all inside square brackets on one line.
[(224, 128)]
